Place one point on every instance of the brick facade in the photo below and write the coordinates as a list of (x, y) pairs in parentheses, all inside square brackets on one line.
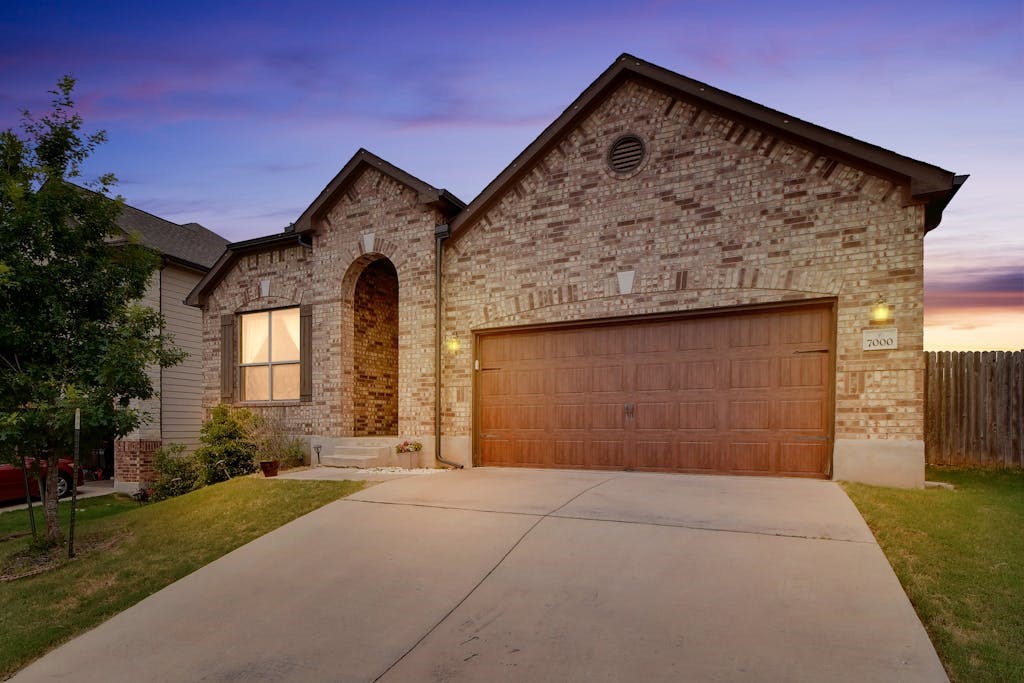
[(720, 213), (133, 461), (375, 351), (377, 218)]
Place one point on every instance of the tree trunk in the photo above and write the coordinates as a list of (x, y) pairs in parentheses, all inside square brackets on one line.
[(53, 535)]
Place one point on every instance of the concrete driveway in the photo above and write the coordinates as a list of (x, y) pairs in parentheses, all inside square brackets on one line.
[(502, 574)]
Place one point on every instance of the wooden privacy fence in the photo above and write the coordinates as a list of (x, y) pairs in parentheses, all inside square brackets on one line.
[(974, 408)]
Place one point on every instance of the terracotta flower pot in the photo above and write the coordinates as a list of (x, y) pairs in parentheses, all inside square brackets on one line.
[(269, 467)]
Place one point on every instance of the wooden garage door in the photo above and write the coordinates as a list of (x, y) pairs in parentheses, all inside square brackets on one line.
[(743, 393)]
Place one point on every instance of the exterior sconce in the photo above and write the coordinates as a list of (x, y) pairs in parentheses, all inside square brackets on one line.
[(453, 345), (881, 312)]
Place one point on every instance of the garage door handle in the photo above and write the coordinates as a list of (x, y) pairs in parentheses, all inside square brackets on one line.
[(812, 351), (630, 409)]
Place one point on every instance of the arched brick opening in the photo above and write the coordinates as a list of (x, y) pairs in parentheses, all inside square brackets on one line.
[(375, 350)]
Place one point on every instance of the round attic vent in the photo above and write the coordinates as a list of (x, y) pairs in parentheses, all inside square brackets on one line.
[(626, 154)]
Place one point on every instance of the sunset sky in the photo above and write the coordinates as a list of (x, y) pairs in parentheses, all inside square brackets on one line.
[(236, 116)]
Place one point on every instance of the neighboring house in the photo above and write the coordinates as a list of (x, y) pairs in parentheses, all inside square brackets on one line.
[(175, 412), (669, 278)]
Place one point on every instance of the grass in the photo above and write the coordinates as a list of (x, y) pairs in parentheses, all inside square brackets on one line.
[(153, 546), (960, 557), (16, 521)]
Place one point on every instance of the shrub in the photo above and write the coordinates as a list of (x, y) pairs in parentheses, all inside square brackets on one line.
[(273, 444), (228, 449), (176, 473)]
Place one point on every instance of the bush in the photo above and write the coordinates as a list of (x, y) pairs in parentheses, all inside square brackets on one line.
[(176, 473), (229, 448)]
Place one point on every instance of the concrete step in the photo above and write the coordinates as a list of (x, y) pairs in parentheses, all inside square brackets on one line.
[(349, 460), (360, 450), (361, 455)]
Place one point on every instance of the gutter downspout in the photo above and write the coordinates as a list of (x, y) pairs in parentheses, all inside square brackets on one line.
[(441, 232)]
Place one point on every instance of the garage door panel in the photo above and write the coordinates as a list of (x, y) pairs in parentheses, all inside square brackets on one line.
[(496, 383), (495, 350), (570, 453), (749, 415), (572, 380), (802, 458), (697, 335), (651, 415), (570, 416), (698, 415), (570, 344), (513, 417), (750, 456), (746, 332), (750, 373), (606, 416), (803, 327), (530, 347), (653, 377), (698, 456), (655, 455), (533, 452), (531, 382), (743, 393), (697, 374), (608, 378), (497, 451), (606, 455), (809, 370), (655, 338), (801, 416), (612, 341)]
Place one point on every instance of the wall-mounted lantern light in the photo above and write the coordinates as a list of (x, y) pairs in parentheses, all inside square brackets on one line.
[(452, 344), (881, 312)]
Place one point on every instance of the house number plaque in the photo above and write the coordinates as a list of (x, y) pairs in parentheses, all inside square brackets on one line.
[(881, 340)]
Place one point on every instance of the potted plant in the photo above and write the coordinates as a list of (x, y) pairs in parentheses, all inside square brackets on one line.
[(410, 447)]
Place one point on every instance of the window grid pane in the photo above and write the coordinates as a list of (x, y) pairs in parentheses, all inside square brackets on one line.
[(256, 383), (269, 355), (255, 338), (284, 335), (285, 381)]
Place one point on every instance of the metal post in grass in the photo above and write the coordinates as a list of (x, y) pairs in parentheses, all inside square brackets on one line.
[(28, 495), (74, 485)]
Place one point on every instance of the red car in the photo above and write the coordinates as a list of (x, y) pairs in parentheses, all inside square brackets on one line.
[(12, 481)]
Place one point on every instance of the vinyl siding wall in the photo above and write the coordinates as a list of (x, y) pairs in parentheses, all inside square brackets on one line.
[(182, 384)]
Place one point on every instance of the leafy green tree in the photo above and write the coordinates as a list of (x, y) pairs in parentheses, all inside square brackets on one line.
[(72, 334)]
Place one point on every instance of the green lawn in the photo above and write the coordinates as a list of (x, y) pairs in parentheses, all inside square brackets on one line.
[(16, 521), (960, 557), (154, 545)]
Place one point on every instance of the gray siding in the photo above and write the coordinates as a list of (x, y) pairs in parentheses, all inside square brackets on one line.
[(182, 384)]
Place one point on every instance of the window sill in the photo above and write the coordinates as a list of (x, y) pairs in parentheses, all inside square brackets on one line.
[(267, 404)]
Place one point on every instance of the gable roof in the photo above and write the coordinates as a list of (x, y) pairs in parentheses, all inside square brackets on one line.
[(441, 199), (190, 245), (297, 233), (925, 183)]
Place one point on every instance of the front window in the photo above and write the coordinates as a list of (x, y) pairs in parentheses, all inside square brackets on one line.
[(270, 355)]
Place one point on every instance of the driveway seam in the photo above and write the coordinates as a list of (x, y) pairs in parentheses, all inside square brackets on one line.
[(540, 518), (554, 513)]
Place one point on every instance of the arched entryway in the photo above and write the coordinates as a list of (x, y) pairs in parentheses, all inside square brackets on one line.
[(375, 351)]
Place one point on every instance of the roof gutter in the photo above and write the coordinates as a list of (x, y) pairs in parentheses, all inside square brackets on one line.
[(933, 209), (441, 233)]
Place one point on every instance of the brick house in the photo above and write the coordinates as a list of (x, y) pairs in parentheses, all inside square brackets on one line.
[(669, 278), (175, 413)]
